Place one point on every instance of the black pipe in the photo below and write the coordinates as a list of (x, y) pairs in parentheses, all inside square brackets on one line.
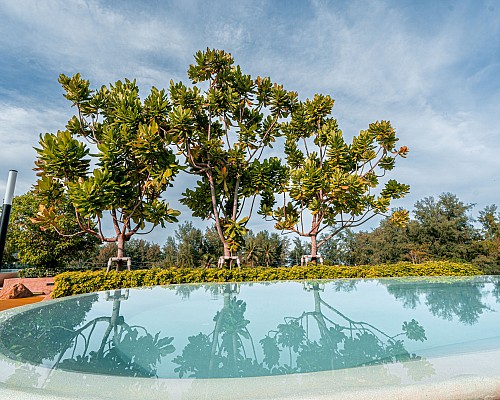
[(7, 205)]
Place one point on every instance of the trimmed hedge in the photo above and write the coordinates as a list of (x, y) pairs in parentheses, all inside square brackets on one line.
[(70, 283)]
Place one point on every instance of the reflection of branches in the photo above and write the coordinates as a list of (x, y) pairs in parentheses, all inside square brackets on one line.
[(43, 332), (122, 350), (495, 280), (185, 290), (222, 352), (343, 344)]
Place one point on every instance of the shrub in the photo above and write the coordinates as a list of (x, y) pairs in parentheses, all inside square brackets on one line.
[(70, 283)]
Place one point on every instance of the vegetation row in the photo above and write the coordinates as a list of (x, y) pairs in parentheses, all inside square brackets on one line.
[(71, 283), (440, 229)]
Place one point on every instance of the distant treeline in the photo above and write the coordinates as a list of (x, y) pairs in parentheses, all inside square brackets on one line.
[(440, 229)]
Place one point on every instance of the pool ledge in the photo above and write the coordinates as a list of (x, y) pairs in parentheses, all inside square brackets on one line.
[(460, 377)]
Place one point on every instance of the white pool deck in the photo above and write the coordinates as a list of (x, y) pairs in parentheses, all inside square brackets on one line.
[(469, 375)]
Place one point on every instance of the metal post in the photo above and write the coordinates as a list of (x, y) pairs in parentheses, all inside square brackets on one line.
[(7, 205)]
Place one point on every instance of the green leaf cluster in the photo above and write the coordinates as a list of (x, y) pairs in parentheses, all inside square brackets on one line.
[(44, 248), (221, 125), (330, 180), (129, 169)]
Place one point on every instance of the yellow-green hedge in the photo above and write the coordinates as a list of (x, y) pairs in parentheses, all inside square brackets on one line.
[(69, 283)]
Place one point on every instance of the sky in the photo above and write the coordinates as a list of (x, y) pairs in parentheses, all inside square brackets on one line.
[(430, 67)]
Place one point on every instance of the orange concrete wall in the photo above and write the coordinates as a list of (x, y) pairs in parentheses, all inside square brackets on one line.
[(6, 275), (39, 285)]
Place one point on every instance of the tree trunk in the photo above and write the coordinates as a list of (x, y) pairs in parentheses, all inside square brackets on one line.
[(227, 252), (314, 247), (120, 251)]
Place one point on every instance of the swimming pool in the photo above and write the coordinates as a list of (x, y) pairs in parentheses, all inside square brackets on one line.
[(310, 339)]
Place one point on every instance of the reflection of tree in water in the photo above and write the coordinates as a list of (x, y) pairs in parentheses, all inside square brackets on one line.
[(495, 280), (121, 350), (43, 332), (184, 291), (291, 348), (444, 298), (342, 344), (222, 352), (344, 285)]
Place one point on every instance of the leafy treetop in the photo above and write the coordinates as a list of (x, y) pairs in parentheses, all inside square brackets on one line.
[(222, 125), (129, 169), (333, 182)]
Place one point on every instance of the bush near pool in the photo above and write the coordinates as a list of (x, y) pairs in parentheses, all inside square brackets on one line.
[(70, 283)]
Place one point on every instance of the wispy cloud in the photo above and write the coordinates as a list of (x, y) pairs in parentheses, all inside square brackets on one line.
[(19, 131), (432, 68)]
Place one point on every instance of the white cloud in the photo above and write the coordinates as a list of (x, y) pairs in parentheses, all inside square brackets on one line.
[(19, 131), (431, 74), (86, 36)]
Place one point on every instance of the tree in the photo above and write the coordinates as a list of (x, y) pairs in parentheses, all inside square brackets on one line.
[(331, 183), (190, 245), (442, 229), (335, 250), (144, 253), (222, 130), (45, 248), (192, 248), (490, 222), (170, 252), (388, 243), (272, 247), (488, 249), (298, 250), (445, 227), (130, 169), (251, 251)]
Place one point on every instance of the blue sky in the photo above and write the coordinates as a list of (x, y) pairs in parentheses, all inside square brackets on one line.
[(431, 67)]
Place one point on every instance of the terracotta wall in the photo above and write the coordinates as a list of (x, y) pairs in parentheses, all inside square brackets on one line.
[(6, 275), (36, 285)]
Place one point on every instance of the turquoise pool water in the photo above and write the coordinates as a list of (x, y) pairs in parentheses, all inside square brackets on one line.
[(235, 330)]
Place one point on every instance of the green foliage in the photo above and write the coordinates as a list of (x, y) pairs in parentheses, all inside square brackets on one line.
[(222, 127), (111, 345), (70, 283), (442, 229), (191, 248), (143, 254), (264, 249), (488, 249), (446, 226), (44, 248), (330, 181), (490, 222), (127, 172)]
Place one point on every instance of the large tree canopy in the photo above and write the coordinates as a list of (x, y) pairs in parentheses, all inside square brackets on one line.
[(124, 170), (332, 183), (222, 127)]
